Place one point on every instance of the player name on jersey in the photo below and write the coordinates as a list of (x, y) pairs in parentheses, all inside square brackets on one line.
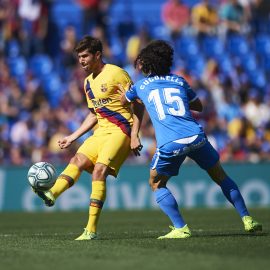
[(174, 79)]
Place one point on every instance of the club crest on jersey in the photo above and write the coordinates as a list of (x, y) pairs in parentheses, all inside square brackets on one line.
[(104, 87)]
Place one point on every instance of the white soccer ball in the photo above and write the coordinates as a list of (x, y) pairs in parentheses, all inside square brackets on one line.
[(42, 176)]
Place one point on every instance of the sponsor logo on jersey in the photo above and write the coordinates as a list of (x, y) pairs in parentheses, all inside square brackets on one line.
[(101, 102)]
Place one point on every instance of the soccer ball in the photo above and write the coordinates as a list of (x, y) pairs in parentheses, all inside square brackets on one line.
[(42, 176)]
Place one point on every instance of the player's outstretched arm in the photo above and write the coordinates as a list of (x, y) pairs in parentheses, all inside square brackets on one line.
[(196, 105), (88, 123)]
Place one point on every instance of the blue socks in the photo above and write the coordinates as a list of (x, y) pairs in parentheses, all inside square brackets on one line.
[(233, 195), (169, 206)]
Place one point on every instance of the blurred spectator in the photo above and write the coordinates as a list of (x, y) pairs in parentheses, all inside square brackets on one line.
[(212, 81), (255, 110), (35, 110), (95, 12), (90, 13), (98, 32), (234, 18), (4, 9), (34, 23), (134, 44), (183, 72), (176, 17), (260, 14), (67, 45), (204, 19)]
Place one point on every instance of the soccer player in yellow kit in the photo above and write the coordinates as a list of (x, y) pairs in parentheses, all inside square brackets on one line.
[(104, 152)]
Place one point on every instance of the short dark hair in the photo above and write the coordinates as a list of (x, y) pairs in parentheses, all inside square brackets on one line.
[(156, 58), (91, 44)]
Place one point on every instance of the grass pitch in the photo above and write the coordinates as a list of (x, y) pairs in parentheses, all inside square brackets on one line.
[(128, 241)]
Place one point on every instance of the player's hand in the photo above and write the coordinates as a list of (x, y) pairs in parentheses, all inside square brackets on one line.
[(122, 92), (122, 89), (65, 142), (135, 145)]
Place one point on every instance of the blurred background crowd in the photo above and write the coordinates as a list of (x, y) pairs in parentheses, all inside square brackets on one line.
[(222, 48)]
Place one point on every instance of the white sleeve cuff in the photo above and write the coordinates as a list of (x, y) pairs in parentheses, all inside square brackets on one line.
[(193, 99), (127, 98)]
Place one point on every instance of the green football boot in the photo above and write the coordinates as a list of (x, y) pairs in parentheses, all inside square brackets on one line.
[(86, 235), (177, 233), (251, 225)]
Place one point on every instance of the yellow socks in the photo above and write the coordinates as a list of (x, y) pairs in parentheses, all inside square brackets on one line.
[(96, 202), (66, 179)]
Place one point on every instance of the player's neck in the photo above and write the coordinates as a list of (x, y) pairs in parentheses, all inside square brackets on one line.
[(98, 70)]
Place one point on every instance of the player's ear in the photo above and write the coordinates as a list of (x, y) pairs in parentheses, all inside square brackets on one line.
[(98, 55)]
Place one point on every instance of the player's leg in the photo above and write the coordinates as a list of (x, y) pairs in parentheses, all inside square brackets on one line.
[(168, 205), (71, 173), (97, 199), (233, 195), (115, 149), (83, 160), (66, 179), (163, 166), (208, 159)]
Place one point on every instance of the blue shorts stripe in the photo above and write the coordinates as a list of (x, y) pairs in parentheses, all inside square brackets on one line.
[(155, 159)]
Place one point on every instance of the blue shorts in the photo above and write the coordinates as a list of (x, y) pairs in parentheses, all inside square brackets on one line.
[(168, 158)]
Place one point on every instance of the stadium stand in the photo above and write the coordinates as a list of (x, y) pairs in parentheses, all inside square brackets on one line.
[(230, 72)]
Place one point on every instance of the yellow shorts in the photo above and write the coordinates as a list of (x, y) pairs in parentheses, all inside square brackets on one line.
[(110, 149)]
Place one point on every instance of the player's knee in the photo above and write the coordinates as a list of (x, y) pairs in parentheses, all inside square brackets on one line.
[(155, 184), (100, 172), (80, 161)]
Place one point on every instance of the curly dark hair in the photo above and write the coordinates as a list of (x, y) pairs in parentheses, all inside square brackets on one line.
[(156, 58), (91, 44)]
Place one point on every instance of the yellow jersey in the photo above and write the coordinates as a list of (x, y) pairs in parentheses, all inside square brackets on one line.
[(101, 94)]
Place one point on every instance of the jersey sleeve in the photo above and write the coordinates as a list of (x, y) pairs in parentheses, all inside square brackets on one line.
[(88, 91), (123, 78), (190, 93), (131, 94)]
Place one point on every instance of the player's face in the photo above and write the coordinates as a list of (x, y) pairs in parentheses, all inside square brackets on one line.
[(88, 60)]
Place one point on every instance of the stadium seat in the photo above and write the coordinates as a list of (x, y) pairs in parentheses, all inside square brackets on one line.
[(120, 11), (18, 69), (53, 88), (191, 3), (249, 62), (262, 45), (149, 12), (257, 79), (41, 65), (238, 46), (225, 63), (17, 66), (140, 12), (196, 65), (12, 48), (66, 13), (186, 46), (213, 47), (265, 61)]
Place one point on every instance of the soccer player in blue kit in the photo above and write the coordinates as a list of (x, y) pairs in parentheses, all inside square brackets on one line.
[(169, 100)]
